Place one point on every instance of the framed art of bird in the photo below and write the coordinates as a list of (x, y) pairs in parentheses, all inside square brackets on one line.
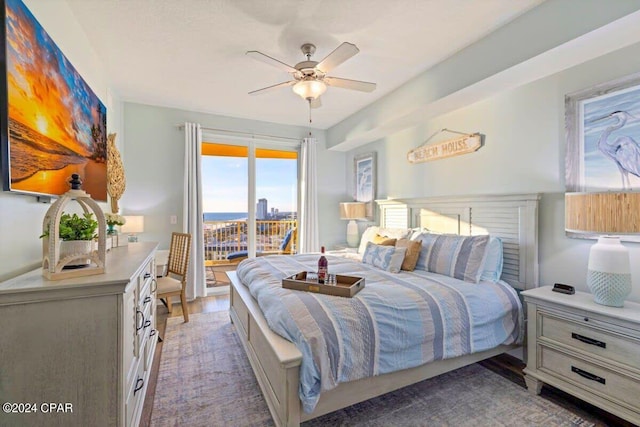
[(602, 126)]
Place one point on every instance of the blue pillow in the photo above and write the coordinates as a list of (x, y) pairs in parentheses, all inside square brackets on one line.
[(387, 258), (461, 257), (492, 269), (286, 239)]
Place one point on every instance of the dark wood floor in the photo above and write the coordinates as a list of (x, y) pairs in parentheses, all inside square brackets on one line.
[(505, 365)]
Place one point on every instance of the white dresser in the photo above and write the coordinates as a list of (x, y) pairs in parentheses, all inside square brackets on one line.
[(78, 352), (588, 350)]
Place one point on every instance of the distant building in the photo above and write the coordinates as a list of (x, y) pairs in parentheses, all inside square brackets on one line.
[(261, 209)]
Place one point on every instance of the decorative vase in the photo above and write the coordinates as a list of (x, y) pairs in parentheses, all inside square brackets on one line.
[(111, 229), (609, 272)]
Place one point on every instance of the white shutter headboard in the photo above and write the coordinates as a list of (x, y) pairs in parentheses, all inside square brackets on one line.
[(511, 217)]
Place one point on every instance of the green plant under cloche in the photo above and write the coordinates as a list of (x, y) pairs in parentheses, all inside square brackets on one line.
[(74, 227)]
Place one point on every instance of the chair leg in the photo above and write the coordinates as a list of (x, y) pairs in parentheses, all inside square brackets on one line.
[(169, 304), (185, 310)]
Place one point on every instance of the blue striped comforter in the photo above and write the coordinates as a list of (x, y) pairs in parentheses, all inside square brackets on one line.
[(397, 321)]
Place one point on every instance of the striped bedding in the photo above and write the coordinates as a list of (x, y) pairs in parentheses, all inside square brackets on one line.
[(397, 321)]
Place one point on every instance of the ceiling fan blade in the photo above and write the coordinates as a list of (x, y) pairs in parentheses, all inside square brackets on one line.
[(270, 88), (337, 57), (271, 61), (315, 103), (350, 84)]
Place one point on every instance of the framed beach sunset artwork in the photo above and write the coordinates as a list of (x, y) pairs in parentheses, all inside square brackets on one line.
[(53, 124)]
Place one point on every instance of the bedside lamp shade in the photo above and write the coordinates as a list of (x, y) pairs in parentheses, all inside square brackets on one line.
[(607, 215), (134, 224), (352, 211)]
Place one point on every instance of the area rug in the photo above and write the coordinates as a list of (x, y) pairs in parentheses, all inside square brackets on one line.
[(205, 379)]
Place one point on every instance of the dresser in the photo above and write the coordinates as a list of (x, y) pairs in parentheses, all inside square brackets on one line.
[(78, 352), (585, 349)]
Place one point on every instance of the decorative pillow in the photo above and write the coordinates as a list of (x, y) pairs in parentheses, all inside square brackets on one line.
[(492, 269), (383, 240), (371, 231), (413, 252), (387, 258), (461, 257)]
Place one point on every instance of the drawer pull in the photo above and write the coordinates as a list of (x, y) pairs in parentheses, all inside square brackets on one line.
[(139, 385), (588, 375), (152, 333), (147, 323), (147, 275), (141, 323), (147, 300), (588, 340)]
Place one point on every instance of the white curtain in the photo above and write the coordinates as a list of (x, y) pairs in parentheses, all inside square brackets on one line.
[(308, 228), (192, 209)]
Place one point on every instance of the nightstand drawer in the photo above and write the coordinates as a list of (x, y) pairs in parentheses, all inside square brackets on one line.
[(582, 336), (593, 378)]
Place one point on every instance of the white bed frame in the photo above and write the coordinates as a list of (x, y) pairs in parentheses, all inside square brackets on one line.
[(276, 361)]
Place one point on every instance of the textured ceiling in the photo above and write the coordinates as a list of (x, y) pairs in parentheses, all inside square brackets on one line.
[(190, 54)]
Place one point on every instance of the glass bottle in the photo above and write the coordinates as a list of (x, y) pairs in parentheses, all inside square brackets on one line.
[(323, 266)]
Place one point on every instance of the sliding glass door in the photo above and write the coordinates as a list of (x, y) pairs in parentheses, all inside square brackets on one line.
[(250, 202)]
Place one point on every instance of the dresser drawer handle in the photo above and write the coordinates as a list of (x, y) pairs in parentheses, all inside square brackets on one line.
[(147, 323), (147, 300), (141, 323), (588, 340), (139, 385), (147, 275), (588, 375), (152, 333)]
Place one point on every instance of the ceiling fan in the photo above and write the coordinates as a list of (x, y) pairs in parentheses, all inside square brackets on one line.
[(310, 77)]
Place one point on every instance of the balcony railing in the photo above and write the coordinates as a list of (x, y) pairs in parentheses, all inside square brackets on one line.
[(224, 237)]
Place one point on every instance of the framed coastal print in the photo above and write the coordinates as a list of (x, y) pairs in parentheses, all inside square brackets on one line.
[(365, 181), (602, 126)]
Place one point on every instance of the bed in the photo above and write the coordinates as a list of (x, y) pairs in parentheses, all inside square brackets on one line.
[(298, 385)]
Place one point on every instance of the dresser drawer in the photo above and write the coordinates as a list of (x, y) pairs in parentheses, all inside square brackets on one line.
[(135, 396), (595, 379), (606, 344)]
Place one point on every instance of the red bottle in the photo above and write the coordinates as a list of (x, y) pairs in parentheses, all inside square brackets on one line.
[(323, 266)]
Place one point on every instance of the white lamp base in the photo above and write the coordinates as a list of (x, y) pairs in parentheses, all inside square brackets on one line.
[(609, 272), (353, 237)]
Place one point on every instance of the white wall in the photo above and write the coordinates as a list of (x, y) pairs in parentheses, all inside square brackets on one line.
[(21, 216), (523, 152), (154, 165)]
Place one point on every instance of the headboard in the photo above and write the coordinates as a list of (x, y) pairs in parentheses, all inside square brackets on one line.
[(511, 217)]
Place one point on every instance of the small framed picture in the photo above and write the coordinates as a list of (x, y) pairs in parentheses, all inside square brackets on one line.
[(365, 181)]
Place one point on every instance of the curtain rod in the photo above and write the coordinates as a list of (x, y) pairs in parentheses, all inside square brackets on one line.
[(253, 135)]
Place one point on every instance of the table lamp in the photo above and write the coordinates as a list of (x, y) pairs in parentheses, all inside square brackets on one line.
[(607, 216), (352, 211), (134, 224)]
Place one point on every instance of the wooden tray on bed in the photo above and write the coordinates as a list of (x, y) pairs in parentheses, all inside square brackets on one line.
[(346, 286)]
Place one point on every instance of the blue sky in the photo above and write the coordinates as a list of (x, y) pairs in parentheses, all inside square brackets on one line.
[(225, 183)]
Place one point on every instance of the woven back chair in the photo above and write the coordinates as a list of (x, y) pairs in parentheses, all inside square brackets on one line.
[(175, 281)]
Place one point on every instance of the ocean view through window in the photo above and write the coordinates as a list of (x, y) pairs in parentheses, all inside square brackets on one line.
[(226, 200)]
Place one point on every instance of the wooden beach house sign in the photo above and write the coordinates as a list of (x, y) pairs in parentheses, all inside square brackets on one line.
[(467, 143)]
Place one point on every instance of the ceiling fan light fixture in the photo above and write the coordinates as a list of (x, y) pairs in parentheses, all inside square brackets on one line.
[(310, 89)]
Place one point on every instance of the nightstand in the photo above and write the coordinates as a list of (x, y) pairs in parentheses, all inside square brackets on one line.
[(585, 349)]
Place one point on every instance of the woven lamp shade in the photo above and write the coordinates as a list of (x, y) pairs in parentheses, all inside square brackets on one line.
[(602, 213), (352, 210)]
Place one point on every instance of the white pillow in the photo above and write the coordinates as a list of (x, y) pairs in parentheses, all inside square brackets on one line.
[(370, 233), (387, 258)]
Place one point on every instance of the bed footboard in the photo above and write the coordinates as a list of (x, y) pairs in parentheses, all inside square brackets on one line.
[(275, 361)]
